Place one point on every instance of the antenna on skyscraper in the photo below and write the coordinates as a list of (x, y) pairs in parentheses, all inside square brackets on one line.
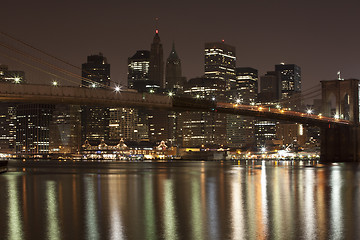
[(156, 25)]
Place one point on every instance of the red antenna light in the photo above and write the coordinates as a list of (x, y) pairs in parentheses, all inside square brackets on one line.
[(157, 31), (223, 40)]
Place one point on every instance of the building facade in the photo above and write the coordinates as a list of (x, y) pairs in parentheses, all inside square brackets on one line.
[(95, 120), (156, 68), (138, 70), (220, 62)]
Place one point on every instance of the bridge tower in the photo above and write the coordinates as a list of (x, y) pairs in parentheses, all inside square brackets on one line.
[(340, 99)]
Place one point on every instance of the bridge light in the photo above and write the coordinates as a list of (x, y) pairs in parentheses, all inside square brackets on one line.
[(55, 83), (17, 80), (309, 111), (117, 89)]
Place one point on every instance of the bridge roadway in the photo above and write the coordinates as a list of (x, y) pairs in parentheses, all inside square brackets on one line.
[(34, 93)]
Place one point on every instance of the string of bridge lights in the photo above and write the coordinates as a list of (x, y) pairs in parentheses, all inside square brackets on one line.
[(117, 87)]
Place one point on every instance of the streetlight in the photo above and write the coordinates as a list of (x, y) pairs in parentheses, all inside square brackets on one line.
[(170, 94), (17, 80), (54, 83), (93, 85), (309, 111), (117, 89)]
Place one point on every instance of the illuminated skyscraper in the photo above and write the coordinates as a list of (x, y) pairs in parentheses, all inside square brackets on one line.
[(8, 124), (156, 68), (95, 120), (220, 62), (203, 128), (240, 129), (138, 70), (32, 132), (290, 83)]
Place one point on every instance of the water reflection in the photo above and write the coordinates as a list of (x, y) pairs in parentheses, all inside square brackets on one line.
[(182, 200)]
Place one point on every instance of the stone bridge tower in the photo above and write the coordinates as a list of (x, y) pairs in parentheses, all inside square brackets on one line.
[(340, 99)]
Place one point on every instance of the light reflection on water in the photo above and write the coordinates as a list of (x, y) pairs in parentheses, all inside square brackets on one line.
[(181, 200)]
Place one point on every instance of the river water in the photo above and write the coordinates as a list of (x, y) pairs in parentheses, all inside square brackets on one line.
[(180, 200)]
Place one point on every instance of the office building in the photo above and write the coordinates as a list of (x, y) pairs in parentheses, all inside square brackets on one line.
[(156, 68), (32, 129), (220, 62), (206, 129), (138, 70), (174, 81), (65, 129), (240, 129), (290, 84), (95, 120)]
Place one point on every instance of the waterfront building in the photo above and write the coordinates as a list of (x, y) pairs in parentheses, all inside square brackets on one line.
[(292, 134), (220, 62), (265, 132), (240, 129), (206, 129), (8, 110), (32, 129), (156, 68), (123, 124), (95, 120), (138, 71), (65, 129)]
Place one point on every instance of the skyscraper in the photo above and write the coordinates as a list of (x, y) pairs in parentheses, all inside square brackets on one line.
[(156, 68), (173, 77), (138, 70), (203, 128), (240, 129), (220, 62), (8, 110), (95, 120), (32, 131), (290, 82)]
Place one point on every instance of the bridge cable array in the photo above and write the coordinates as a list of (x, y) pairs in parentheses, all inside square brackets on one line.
[(40, 61)]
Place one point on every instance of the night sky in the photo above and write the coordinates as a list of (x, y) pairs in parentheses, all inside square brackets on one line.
[(322, 37)]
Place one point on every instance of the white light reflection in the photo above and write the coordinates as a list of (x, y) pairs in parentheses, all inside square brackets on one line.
[(53, 228), (169, 211), (336, 218), (213, 209), (196, 214), (237, 208), (14, 211), (116, 226), (264, 198), (150, 220), (309, 208), (91, 217)]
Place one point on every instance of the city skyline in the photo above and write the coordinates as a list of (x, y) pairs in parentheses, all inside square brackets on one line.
[(317, 37)]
